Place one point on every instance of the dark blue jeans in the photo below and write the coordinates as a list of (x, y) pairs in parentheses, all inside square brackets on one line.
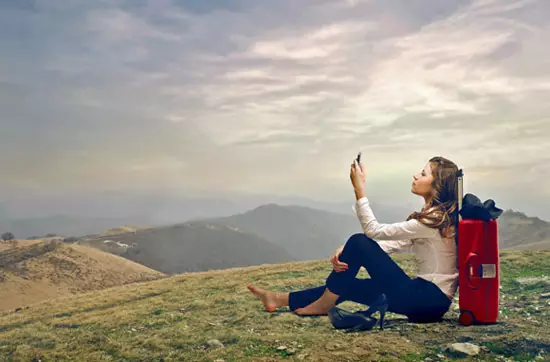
[(418, 299)]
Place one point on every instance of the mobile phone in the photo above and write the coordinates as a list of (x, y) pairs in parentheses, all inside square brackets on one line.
[(359, 158)]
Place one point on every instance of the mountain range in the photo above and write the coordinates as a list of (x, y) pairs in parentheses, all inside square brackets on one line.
[(310, 234), (269, 233), (306, 233), (77, 215), (191, 246)]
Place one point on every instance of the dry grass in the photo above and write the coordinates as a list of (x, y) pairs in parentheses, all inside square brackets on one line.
[(6, 245), (172, 319), (124, 229), (31, 274)]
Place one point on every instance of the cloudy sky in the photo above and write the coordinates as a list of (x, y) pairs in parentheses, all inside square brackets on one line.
[(275, 96)]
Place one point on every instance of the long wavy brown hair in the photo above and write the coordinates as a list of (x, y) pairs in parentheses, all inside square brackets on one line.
[(442, 209)]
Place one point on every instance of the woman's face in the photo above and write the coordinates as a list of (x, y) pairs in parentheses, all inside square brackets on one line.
[(422, 182)]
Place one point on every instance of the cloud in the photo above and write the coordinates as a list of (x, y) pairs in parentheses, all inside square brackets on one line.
[(152, 92)]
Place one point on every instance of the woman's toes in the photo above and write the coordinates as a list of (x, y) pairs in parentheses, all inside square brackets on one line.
[(266, 298)]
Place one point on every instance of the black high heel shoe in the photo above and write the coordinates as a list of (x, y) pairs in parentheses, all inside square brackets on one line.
[(342, 319), (360, 320), (379, 305)]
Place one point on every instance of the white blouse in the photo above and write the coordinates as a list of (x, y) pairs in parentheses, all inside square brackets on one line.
[(436, 256)]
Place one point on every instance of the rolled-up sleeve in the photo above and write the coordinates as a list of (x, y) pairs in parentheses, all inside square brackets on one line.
[(391, 237)]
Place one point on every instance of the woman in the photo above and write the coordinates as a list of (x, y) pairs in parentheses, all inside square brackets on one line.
[(430, 234)]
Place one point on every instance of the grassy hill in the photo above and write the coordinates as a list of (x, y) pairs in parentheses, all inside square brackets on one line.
[(7, 245), (176, 319), (191, 246), (44, 269)]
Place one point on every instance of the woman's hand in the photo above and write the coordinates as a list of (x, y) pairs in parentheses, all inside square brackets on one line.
[(357, 176), (337, 265)]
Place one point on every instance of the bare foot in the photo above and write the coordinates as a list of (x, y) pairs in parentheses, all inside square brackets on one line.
[(314, 309), (268, 298)]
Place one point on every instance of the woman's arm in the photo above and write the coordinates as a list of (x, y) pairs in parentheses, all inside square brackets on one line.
[(399, 233), (391, 246), (404, 230)]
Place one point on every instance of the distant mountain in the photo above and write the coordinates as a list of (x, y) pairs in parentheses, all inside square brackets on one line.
[(191, 247), (79, 213), (64, 225), (384, 212), (311, 234), (306, 233), (519, 231)]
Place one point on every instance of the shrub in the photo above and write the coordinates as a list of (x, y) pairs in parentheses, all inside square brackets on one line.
[(8, 236)]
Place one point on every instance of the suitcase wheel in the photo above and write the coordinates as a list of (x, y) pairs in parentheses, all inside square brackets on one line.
[(466, 318)]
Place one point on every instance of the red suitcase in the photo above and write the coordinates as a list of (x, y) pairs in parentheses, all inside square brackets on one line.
[(478, 269)]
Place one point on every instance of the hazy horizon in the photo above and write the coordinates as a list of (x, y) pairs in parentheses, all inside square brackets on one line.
[(161, 99)]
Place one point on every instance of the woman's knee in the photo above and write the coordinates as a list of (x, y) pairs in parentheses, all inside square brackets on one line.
[(359, 240)]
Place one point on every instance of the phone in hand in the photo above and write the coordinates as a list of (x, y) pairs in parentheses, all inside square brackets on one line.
[(358, 158)]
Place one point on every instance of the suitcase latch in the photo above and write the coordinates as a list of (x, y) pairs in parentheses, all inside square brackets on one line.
[(488, 271)]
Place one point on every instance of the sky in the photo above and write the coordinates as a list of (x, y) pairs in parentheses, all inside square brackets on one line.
[(211, 96)]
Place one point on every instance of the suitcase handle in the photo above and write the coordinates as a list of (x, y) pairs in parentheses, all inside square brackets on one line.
[(460, 190)]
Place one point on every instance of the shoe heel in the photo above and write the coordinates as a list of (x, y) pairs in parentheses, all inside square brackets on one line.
[(382, 315), (376, 305), (381, 306)]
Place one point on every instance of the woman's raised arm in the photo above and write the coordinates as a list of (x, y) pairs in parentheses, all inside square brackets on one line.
[(404, 230)]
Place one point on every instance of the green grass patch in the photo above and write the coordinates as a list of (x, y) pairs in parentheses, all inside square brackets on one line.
[(520, 350), (174, 320)]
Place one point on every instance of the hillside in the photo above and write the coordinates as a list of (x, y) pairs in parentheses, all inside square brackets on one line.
[(306, 233), (191, 247), (123, 229), (44, 270), (519, 231), (6, 245), (212, 316)]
